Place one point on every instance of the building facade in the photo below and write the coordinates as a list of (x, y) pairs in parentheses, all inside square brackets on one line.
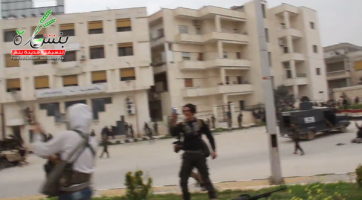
[(343, 65), (210, 57), (106, 65), (11, 9)]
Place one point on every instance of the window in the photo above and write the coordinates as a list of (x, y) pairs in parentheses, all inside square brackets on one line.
[(160, 33), (10, 62), (200, 57), (40, 34), (238, 55), (124, 25), (99, 77), (99, 105), (270, 59), (70, 103), (312, 25), (189, 82), (125, 49), (13, 85), (239, 79), (95, 27), (67, 29), (286, 50), (96, 52), (315, 48), (9, 35), (40, 61), (41, 82), (318, 71), (53, 109), (263, 10), (236, 30), (289, 73), (225, 54), (227, 79), (186, 56), (267, 35), (70, 56), (70, 80), (184, 29), (198, 31), (128, 74)]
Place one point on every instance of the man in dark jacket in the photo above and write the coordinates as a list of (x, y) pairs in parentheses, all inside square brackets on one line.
[(192, 130), (296, 136), (240, 119)]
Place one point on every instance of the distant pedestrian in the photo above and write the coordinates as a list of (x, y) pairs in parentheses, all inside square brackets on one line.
[(93, 133), (213, 120), (107, 131), (345, 103), (356, 100), (240, 119), (296, 137), (155, 128), (105, 145), (131, 131), (148, 132)]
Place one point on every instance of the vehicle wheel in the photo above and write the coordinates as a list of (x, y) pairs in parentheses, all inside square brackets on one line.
[(311, 135), (343, 129)]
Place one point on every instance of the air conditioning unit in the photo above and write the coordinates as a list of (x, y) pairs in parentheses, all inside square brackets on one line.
[(197, 22), (130, 106), (281, 43), (82, 58)]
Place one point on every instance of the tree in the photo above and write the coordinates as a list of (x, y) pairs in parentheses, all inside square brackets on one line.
[(283, 100)]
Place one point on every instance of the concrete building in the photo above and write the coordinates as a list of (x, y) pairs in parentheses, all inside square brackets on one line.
[(210, 57), (107, 60), (25, 8), (343, 65)]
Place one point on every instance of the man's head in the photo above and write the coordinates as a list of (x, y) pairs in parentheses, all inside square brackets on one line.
[(189, 110), (79, 117)]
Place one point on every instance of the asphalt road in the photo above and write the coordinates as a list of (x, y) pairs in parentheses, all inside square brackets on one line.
[(242, 155)]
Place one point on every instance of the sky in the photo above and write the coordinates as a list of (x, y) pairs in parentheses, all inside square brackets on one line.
[(340, 20)]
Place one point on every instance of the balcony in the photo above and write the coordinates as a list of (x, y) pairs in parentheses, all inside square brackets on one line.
[(191, 65), (338, 75), (160, 69), (222, 62), (221, 89), (226, 37), (289, 32), (208, 11), (286, 8), (157, 42), (188, 38), (292, 56), (192, 38), (300, 80)]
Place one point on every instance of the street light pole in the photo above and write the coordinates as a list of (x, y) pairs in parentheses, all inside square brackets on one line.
[(276, 172)]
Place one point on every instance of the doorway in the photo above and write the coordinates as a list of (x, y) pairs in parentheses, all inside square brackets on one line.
[(241, 105), (17, 133)]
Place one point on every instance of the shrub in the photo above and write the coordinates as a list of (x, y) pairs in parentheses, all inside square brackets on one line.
[(359, 175), (136, 189)]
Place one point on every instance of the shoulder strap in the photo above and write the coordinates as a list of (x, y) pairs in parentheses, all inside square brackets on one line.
[(86, 139)]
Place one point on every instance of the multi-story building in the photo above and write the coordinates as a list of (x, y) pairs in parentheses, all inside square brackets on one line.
[(343, 65), (211, 57), (10, 9), (107, 60)]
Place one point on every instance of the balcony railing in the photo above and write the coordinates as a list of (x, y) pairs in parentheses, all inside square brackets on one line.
[(195, 38), (221, 89), (220, 62), (292, 56), (289, 32), (186, 12)]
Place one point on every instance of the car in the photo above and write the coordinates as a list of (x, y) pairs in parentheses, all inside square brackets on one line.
[(312, 121)]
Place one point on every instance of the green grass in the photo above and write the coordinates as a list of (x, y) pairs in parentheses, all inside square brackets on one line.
[(338, 191)]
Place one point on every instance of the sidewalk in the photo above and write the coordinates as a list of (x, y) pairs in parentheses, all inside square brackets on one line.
[(229, 185)]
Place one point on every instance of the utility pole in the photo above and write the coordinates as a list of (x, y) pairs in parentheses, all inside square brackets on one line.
[(276, 172)]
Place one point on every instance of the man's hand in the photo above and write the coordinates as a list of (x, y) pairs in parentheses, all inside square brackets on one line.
[(214, 155), (36, 128), (174, 118)]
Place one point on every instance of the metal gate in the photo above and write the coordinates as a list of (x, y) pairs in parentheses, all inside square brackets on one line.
[(222, 112)]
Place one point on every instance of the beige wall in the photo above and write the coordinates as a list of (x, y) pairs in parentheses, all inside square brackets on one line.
[(112, 64)]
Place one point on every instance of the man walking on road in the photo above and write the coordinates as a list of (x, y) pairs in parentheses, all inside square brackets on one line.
[(240, 119), (105, 145), (195, 149), (76, 180), (296, 136)]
